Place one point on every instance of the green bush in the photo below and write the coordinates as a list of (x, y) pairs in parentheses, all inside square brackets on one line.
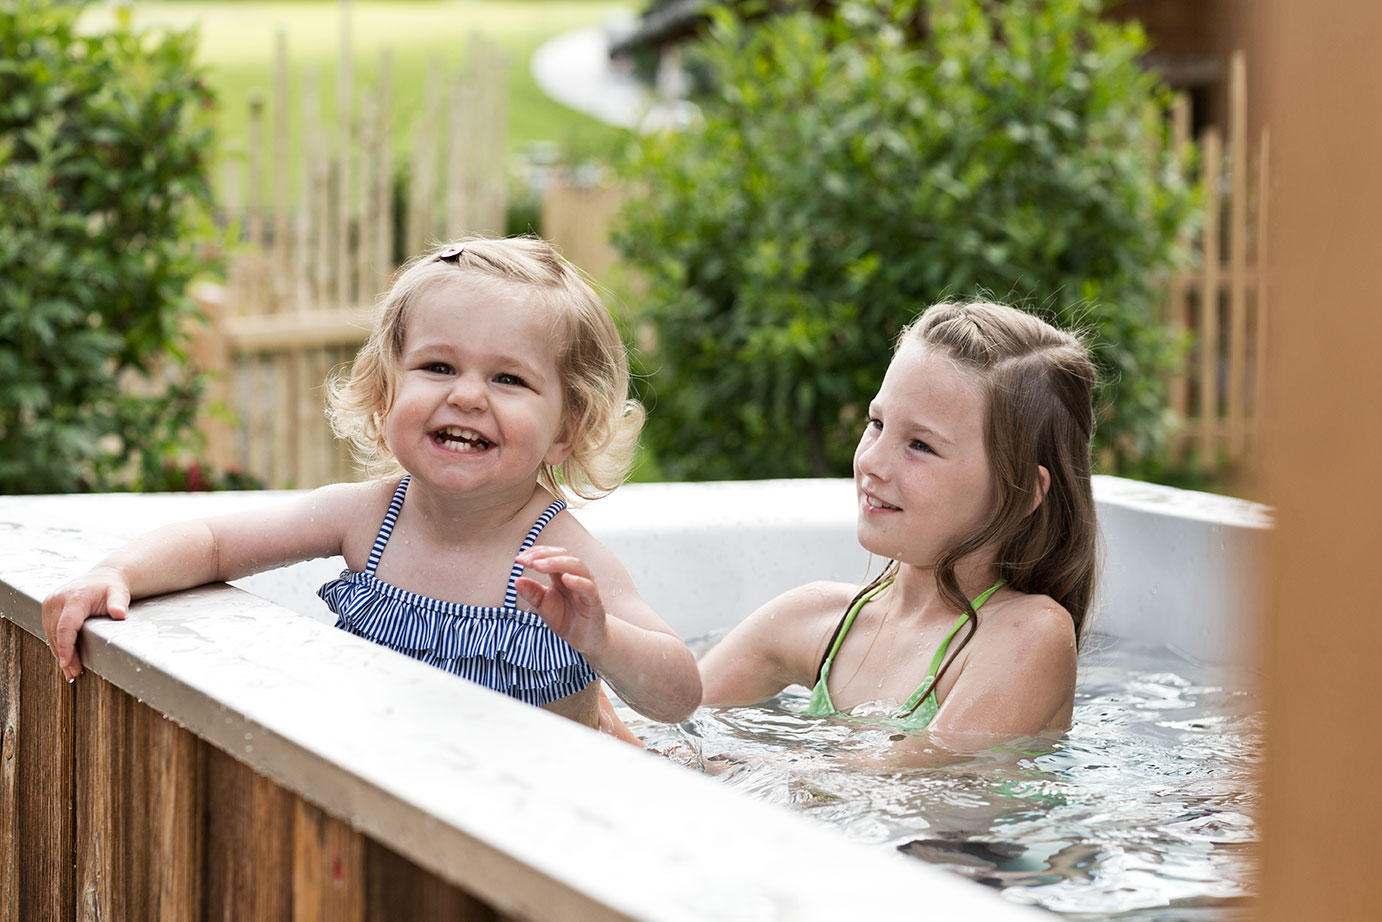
[(103, 140), (854, 168)]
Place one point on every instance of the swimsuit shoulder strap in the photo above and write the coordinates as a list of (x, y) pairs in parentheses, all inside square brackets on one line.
[(511, 591), (845, 624), (386, 529), (983, 597), (820, 704), (927, 685)]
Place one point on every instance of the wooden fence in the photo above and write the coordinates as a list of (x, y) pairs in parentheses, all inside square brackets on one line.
[(1217, 398), (324, 220), (298, 300)]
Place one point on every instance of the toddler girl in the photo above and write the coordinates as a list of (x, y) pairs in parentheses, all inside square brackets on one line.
[(493, 382), (973, 480)]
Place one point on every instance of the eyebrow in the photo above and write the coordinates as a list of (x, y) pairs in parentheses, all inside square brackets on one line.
[(915, 428), (527, 370)]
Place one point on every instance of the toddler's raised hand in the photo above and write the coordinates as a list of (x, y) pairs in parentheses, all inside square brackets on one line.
[(102, 591), (571, 605)]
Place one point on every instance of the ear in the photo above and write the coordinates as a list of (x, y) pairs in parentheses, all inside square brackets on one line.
[(1044, 476), (561, 446)]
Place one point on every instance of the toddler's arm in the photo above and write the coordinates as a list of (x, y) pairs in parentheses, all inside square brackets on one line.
[(195, 552), (624, 641)]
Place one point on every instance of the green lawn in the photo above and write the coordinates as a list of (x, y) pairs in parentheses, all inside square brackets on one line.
[(238, 40)]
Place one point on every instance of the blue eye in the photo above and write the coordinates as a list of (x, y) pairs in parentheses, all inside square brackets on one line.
[(919, 445), (513, 380), (437, 368)]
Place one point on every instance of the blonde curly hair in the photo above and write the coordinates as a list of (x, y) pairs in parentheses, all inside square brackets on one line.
[(591, 360)]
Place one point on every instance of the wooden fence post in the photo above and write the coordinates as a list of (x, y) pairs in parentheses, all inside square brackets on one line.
[(1237, 385), (1208, 443), (211, 355)]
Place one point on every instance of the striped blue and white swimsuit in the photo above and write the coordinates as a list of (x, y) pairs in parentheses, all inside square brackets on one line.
[(501, 647)]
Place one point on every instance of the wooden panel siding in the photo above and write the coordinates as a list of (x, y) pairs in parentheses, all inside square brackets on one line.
[(45, 786), (103, 885), (9, 772), (111, 811)]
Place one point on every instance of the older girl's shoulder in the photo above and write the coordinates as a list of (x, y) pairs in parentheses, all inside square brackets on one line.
[(777, 645), (1033, 621), (816, 599), (800, 613)]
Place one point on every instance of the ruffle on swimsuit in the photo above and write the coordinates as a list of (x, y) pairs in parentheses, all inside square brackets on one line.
[(501, 647)]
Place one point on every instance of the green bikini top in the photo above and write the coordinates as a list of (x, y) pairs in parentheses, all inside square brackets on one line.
[(918, 710)]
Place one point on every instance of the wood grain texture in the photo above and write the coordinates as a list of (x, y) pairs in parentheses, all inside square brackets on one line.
[(174, 835), (9, 771), (44, 753), (249, 844), (1321, 632), (102, 801), (399, 889), (328, 868)]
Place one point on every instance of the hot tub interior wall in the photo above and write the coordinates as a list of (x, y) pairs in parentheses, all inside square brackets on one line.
[(1177, 565)]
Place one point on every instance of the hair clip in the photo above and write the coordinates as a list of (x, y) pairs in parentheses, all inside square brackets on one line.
[(451, 254)]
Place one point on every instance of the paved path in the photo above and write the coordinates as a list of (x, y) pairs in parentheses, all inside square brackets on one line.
[(575, 69)]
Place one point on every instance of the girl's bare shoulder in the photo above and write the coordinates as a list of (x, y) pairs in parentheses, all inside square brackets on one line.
[(1035, 623), (779, 644), (353, 501), (565, 529), (815, 599), (802, 619), (797, 618), (354, 511)]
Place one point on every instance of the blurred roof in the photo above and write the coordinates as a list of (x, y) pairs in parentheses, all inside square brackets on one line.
[(664, 21)]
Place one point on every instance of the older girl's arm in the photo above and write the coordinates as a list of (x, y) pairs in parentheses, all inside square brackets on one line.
[(776, 646)]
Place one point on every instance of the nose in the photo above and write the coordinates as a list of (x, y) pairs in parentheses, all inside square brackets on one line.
[(871, 457), (468, 392)]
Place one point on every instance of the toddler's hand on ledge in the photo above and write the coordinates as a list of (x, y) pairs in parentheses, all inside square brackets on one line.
[(101, 591)]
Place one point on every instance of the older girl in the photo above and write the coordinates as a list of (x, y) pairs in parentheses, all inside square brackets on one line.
[(973, 480)]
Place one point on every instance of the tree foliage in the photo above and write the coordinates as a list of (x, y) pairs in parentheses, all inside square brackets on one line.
[(103, 176), (853, 168)]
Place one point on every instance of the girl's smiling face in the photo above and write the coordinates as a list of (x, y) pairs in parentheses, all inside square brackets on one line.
[(478, 398), (921, 470)]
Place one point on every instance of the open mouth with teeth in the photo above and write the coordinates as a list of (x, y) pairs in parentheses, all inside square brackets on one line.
[(454, 438), (876, 503)]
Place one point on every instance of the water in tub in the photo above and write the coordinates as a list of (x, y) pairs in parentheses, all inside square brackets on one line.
[(1142, 811)]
